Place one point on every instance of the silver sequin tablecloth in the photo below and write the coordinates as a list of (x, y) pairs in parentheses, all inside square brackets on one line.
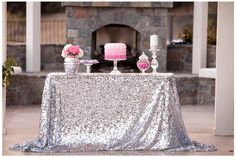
[(91, 112)]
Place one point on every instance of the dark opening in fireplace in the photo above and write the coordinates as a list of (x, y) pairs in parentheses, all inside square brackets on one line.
[(115, 33)]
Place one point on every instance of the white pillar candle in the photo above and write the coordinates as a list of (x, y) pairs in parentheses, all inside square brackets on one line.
[(153, 41), (17, 70)]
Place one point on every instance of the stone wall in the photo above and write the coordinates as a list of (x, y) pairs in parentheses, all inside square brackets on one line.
[(179, 57), (206, 91), (120, 4), (51, 59), (187, 87), (17, 51), (211, 56), (27, 88)]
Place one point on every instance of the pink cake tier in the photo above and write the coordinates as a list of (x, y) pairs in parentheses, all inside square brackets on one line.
[(115, 51)]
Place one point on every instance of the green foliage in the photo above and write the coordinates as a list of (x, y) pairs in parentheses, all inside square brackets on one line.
[(211, 32), (187, 33), (7, 69)]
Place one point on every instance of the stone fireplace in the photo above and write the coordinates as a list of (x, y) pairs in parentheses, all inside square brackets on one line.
[(92, 24)]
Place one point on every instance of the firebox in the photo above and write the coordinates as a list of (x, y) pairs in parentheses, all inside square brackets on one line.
[(115, 33)]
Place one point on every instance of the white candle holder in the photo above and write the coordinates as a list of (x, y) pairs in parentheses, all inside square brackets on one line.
[(154, 62)]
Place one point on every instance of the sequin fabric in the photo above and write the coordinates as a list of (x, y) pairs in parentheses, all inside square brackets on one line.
[(93, 112)]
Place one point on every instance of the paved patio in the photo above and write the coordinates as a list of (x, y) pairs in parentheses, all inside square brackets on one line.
[(22, 124)]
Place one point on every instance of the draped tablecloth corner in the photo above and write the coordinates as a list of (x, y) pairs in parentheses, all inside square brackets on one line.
[(92, 112)]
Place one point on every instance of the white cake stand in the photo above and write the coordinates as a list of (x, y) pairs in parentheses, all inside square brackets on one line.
[(88, 63), (115, 70)]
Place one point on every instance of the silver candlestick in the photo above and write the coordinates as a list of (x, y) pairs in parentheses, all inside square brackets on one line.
[(154, 62)]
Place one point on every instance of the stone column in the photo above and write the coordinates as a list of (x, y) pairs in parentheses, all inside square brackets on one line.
[(33, 39), (4, 54), (224, 103), (200, 17)]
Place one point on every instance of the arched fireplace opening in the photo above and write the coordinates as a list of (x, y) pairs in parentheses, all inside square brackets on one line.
[(115, 33)]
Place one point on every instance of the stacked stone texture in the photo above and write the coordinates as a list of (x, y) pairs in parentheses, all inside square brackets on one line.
[(179, 58), (187, 87), (25, 89), (206, 91), (51, 59), (211, 56), (146, 18)]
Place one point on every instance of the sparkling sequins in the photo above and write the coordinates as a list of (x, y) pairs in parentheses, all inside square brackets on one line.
[(91, 112)]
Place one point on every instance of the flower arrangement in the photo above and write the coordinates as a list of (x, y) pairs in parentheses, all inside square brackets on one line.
[(71, 51)]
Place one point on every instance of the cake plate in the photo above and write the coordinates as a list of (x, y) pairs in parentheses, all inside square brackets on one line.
[(88, 64), (115, 70)]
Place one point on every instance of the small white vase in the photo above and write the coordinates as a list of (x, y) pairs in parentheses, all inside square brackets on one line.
[(71, 65)]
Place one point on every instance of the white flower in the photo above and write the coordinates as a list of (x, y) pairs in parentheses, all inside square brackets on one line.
[(81, 53), (64, 51)]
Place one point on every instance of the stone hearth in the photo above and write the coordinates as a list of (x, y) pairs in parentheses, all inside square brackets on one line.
[(147, 18)]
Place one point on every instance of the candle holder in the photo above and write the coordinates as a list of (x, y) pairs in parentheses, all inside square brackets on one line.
[(154, 62)]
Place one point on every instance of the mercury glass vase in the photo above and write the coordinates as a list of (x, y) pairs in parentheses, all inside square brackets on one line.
[(71, 66)]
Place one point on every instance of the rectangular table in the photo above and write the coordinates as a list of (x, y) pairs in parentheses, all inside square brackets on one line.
[(92, 112)]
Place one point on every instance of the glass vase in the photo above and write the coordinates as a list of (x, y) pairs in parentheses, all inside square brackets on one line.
[(71, 66), (143, 63)]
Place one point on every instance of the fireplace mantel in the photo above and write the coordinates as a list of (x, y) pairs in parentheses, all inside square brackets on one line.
[(120, 4)]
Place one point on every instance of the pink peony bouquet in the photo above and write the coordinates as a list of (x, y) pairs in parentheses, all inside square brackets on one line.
[(72, 51)]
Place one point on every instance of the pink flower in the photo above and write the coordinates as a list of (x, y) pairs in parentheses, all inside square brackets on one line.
[(75, 50), (72, 51)]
